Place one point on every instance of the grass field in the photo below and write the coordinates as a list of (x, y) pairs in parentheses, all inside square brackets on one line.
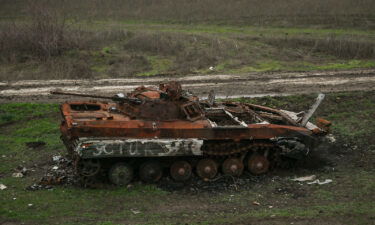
[(111, 39), (348, 200), (321, 13), (90, 39)]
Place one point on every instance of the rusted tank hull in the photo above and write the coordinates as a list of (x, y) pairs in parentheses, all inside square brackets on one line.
[(219, 133), (152, 131)]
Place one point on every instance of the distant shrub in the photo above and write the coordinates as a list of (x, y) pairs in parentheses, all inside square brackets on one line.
[(157, 43), (129, 65), (46, 35)]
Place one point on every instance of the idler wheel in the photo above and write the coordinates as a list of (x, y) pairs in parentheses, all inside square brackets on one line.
[(150, 172), (206, 169), (258, 164), (233, 167), (88, 167), (180, 170), (120, 174)]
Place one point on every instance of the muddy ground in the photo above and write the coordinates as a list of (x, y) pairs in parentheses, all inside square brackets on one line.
[(232, 86)]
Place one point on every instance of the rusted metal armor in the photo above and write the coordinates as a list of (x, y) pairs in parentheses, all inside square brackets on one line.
[(153, 130)]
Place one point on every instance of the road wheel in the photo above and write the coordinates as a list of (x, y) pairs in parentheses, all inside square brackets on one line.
[(150, 172), (233, 167), (207, 169), (120, 174), (180, 170), (258, 164), (88, 167)]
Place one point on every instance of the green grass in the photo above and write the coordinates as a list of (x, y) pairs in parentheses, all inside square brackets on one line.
[(275, 65), (159, 66), (232, 29), (348, 197), (351, 64), (29, 122), (261, 66), (22, 111), (272, 62), (73, 202), (167, 48), (268, 39)]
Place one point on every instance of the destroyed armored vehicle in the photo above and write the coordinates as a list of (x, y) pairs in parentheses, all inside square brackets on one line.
[(154, 131)]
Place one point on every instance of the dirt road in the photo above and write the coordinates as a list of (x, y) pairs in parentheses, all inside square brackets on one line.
[(248, 85)]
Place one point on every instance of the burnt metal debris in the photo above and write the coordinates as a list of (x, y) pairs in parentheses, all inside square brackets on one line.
[(154, 131), (60, 172)]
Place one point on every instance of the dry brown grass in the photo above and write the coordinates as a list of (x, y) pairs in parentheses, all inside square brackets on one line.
[(45, 39), (118, 53), (40, 42), (156, 43), (189, 52), (48, 44), (347, 47), (129, 65), (45, 36), (328, 13)]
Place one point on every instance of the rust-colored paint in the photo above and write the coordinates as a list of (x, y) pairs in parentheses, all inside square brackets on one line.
[(150, 94), (106, 124), (323, 124), (166, 113)]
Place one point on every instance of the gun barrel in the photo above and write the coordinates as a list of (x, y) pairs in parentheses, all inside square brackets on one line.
[(79, 95)]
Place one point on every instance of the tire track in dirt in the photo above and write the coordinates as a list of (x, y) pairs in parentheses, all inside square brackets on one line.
[(249, 85)]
